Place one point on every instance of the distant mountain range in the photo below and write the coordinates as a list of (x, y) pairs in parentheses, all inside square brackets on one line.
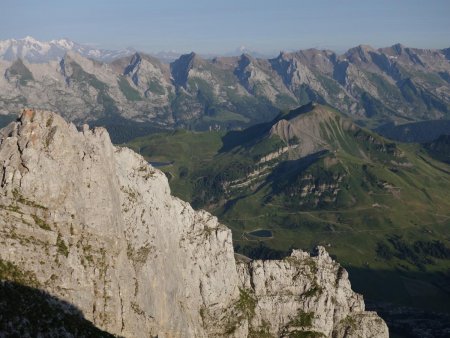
[(35, 51), (374, 86)]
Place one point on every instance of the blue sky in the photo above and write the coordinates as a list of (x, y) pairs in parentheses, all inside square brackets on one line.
[(208, 26)]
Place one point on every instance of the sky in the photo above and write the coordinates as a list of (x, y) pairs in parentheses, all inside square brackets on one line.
[(212, 26)]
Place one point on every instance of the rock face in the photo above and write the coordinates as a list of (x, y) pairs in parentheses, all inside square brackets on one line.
[(96, 226), (304, 293)]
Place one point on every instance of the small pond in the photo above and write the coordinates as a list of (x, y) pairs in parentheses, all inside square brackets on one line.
[(261, 233), (160, 164)]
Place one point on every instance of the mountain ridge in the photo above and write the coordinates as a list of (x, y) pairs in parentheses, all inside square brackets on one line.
[(374, 86), (68, 44)]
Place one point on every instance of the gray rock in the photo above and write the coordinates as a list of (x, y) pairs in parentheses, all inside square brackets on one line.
[(97, 227)]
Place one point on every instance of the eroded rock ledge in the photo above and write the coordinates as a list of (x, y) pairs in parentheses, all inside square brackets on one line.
[(96, 226)]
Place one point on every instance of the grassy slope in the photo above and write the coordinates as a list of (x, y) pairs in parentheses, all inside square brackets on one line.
[(364, 216), (439, 148), (188, 150)]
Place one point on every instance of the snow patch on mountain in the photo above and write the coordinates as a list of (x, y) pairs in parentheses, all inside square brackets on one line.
[(36, 51)]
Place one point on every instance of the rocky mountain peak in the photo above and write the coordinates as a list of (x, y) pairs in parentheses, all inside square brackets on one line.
[(242, 71), (135, 59), (286, 66), (18, 73), (321, 60), (132, 68), (73, 64), (398, 48), (283, 55), (191, 59), (246, 56), (446, 53), (409, 56), (305, 125), (361, 53), (243, 62), (96, 226), (30, 40), (181, 67), (366, 48)]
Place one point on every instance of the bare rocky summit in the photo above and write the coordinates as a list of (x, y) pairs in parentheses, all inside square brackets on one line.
[(96, 226)]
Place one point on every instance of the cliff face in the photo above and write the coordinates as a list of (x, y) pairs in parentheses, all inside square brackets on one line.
[(96, 226)]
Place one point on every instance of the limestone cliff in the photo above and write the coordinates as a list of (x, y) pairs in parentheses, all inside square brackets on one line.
[(96, 226)]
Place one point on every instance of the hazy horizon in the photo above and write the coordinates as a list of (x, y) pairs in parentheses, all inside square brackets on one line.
[(220, 27)]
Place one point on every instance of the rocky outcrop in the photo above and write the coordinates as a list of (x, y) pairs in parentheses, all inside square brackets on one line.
[(96, 226), (180, 68), (304, 293), (133, 67)]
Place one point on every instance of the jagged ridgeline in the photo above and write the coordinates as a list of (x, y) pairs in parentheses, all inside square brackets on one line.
[(92, 240), (311, 176), (132, 94)]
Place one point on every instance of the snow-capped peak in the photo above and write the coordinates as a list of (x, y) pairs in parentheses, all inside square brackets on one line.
[(242, 48), (64, 43), (30, 39), (36, 51)]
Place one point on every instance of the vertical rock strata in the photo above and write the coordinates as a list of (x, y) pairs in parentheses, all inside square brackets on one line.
[(96, 226)]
